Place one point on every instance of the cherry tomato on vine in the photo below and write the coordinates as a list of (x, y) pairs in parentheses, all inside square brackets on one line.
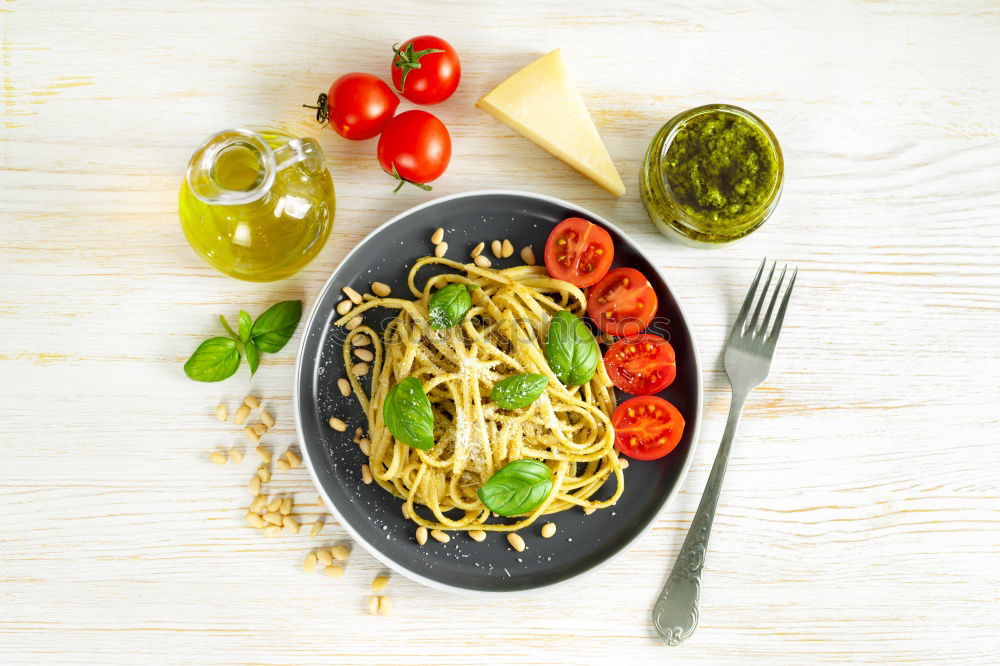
[(578, 252), (425, 69), (622, 303), (357, 106), (414, 148), (641, 364), (647, 427)]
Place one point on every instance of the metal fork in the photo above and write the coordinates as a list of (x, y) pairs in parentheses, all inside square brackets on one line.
[(748, 361)]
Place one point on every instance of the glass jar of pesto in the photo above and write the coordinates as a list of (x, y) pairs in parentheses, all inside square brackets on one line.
[(712, 175)]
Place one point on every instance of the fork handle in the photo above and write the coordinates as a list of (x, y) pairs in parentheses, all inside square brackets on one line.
[(675, 613)]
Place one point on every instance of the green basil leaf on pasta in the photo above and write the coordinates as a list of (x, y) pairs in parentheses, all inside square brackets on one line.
[(518, 391), (215, 359), (517, 488), (246, 323), (571, 350), (448, 306), (253, 356), (407, 413), (275, 327)]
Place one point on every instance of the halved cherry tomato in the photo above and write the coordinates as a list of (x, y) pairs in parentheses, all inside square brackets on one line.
[(357, 106), (641, 364), (578, 252), (425, 69), (647, 427), (623, 303)]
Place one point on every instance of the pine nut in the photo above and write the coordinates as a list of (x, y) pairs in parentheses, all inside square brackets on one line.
[(507, 248), (251, 401), (266, 418), (309, 565), (360, 340), (273, 530), (379, 583), (258, 504), (358, 432), (364, 354), (286, 507), (437, 236), (477, 535), (293, 458), (482, 261), (366, 474), (260, 429), (353, 323), (251, 434), (359, 369), (624, 462), (218, 457), (275, 504), (373, 605), (241, 415), (440, 249), (290, 524), (344, 307), (366, 446), (273, 518), (255, 519), (353, 295), (337, 424), (316, 528), (528, 255), (264, 454), (255, 485), (588, 510), (235, 456), (334, 571), (421, 535), (440, 536), (548, 529), (324, 557), (344, 386), (384, 606), (340, 553), (476, 251), (221, 412), (264, 473), (381, 289), (497, 248), (406, 511), (283, 465), (516, 542)]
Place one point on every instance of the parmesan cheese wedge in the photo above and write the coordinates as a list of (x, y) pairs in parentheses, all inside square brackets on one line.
[(541, 102)]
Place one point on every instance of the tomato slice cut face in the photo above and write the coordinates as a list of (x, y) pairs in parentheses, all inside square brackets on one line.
[(622, 303), (641, 364), (578, 252), (647, 427)]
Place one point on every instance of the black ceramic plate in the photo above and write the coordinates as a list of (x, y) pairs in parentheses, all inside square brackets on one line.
[(370, 514)]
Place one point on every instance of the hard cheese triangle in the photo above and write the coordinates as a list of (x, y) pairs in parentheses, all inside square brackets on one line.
[(542, 103)]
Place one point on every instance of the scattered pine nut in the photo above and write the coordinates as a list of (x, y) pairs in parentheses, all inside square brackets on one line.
[(254, 485), (316, 528), (344, 307), (340, 553), (482, 261), (293, 458), (507, 248), (264, 472), (477, 535), (366, 474), (264, 454), (364, 355), (352, 294), (437, 236), (266, 418), (309, 565), (344, 386), (358, 432), (360, 340), (384, 606), (251, 434), (624, 462), (548, 529), (359, 369), (354, 322), (258, 504), (440, 249), (373, 605), (283, 465), (379, 583), (218, 457), (290, 524), (497, 248), (381, 289), (476, 251), (260, 429), (421, 535), (324, 557), (255, 519), (273, 530), (366, 446), (286, 507), (274, 504), (440, 536), (516, 542), (528, 255), (235, 456), (251, 401), (334, 571), (588, 510), (241, 415), (337, 424), (221, 412), (273, 518)]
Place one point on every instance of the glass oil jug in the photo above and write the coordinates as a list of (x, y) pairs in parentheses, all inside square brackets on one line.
[(257, 204)]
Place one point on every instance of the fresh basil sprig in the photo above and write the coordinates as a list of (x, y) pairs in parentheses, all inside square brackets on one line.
[(218, 358), (518, 391), (407, 413), (571, 350), (449, 304), (517, 488)]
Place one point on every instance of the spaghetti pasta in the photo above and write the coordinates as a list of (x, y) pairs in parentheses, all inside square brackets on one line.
[(568, 428)]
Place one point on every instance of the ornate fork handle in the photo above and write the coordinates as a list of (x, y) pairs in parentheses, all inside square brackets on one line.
[(675, 613)]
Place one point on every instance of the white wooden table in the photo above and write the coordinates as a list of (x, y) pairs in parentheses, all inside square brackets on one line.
[(860, 517)]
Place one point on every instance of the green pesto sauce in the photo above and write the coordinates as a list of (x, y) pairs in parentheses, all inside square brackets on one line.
[(720, 167)]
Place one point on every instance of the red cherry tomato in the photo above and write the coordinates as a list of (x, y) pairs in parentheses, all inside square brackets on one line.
[(647, 427), (357, 106), (578, 252), (622, 303), (641, 364), (425, 69), (415, 147)]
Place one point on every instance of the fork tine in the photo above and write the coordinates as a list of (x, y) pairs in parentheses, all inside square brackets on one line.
[(770, 308), (741, 317), (773, 338), (752, 324)]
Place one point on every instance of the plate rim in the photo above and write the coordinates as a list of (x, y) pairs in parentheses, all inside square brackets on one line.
[(371, 548)]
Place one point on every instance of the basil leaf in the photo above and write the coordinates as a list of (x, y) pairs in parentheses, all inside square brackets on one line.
[(448, 305), (518, 391), (229, 330), (253, 356), (215, 359), (407, 413), (245, 324), (571, 350), (276, 326), (517, 488)]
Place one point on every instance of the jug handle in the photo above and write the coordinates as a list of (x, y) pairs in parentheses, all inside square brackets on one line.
[(303, 151)]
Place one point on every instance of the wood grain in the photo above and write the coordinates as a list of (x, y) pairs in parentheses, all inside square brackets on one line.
[(859, 522)]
